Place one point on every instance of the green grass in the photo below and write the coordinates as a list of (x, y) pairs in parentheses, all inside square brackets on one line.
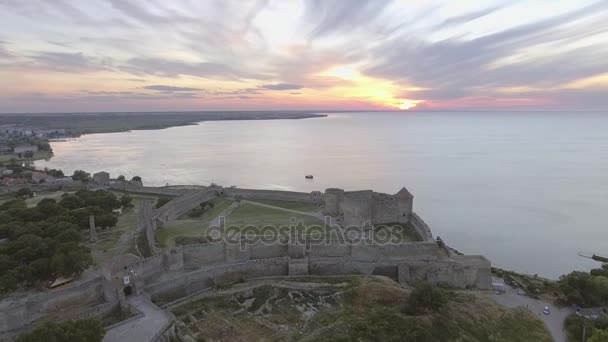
[(190, 227), (405, 230), (366, 309), (33, 201), (37, 156), (250, 214), (299, 206), (107, 238)]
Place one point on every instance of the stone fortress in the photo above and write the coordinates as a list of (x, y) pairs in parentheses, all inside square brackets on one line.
[(180, 272)]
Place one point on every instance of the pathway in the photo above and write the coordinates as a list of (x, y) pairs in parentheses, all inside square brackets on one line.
[(554, 321), (145, 328)]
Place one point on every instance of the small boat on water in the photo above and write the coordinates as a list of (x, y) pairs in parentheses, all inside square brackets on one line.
[(308, 177)]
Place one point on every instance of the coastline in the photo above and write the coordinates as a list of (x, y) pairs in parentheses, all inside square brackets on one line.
[(77, 124)]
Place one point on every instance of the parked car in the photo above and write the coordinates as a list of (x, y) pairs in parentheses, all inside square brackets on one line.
[(546, 310)]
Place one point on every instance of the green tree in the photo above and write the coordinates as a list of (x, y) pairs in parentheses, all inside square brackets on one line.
[(126, 201), (136, 179), (121, 178), (599, 335), (85, 330), (80, 175), (24, 192)]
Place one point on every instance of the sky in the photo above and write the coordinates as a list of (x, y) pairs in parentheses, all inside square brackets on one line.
[(157, 55)]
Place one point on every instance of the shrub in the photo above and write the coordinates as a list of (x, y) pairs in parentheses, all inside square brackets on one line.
[(85, 330), (425, 298)]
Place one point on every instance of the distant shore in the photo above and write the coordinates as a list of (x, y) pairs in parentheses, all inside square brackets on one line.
[(87, 123)]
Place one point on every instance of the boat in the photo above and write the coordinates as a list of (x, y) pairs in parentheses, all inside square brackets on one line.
[(308, 177)]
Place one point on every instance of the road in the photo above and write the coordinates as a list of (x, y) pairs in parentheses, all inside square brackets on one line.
[(554, 321), (145, 328)]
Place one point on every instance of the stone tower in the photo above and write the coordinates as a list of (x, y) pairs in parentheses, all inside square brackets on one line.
[(92, 230)]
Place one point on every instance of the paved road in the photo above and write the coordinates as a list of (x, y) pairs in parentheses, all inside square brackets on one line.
[(145, 328), (554, 321)]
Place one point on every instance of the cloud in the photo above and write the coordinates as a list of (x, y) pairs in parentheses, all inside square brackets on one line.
[(175, 68), (457, 67), (468, 17), (166, 88), (333, 16), (282, 86), (76, 62)]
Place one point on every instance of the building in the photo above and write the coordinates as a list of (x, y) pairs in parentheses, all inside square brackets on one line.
[(25, 148), (102, 178), (40, 177), (5, 149)]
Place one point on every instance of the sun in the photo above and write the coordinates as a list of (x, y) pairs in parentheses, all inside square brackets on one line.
[(409, 104)]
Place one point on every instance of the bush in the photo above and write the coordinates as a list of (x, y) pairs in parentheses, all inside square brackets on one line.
[(24, 192), (85, 330), (162, 201), (196, 212), (425, 298)]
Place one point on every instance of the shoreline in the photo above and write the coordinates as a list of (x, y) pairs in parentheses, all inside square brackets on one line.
[(92, 123)]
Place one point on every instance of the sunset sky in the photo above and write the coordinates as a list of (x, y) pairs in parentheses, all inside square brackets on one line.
[(157, 55)]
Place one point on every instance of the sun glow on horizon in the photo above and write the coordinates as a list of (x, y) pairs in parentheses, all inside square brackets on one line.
[(409, 104)]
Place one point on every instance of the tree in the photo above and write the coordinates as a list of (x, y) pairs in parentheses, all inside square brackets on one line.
[(80, 175), (84, 330), (126, 201), (136, 179), (599, 335), (425, 298), (121, 178), (24, 192)]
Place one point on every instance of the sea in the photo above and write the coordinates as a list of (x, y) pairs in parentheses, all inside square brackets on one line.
[(529, 190)]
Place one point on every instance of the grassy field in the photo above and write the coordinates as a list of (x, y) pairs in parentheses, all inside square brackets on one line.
[(105, 246), (299, 206), (405, 230), (190, 227), (251, 214), (33, 201), (352, 309)]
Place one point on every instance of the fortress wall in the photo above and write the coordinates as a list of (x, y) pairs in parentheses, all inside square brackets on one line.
[(334, 249), (183, 284), (17, 312), (290, 196), (332, 199), (204, 254), (356, 207), (262, 250), (421, 227), (413, 250), (181, 205), (386, 211), (162, 191)]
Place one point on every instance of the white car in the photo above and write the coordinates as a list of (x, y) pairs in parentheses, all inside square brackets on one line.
[(546, 310)]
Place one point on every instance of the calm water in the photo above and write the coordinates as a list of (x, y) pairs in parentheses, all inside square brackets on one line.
[(528, 190)]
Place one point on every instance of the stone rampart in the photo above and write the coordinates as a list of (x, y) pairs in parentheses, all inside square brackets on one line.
[(182, 204), (314, 197), (421, 227), (17, 312)]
